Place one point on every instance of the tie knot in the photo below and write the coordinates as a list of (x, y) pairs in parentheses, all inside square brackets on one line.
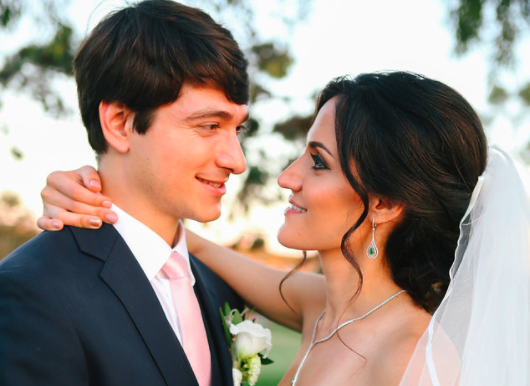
[(176, 267)]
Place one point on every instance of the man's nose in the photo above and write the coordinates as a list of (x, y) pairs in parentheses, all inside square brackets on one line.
[(231, 155)]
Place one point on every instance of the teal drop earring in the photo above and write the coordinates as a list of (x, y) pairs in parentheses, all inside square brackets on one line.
[(372, 252)]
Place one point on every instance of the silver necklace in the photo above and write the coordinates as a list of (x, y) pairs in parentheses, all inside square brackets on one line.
[(313, 343)]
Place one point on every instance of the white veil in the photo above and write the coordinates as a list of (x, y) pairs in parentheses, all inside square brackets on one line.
[(479, 336)]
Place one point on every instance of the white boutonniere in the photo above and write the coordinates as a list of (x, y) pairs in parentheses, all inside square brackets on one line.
[(249, 344)]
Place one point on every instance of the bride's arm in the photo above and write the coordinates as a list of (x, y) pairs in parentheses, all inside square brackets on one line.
[(72, 198), (258, 284)]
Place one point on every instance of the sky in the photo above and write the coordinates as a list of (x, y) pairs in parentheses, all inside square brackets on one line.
[(337, 38)]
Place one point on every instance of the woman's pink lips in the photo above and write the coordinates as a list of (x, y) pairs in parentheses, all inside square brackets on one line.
[(290, 210), (292, 202)]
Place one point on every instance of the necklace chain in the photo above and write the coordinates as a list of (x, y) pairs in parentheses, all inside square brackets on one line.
[(313, 343)]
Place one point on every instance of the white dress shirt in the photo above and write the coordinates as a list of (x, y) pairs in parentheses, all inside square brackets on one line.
[(152, 252)]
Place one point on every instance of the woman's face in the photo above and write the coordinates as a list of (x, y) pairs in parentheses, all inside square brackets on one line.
[(323, 204)]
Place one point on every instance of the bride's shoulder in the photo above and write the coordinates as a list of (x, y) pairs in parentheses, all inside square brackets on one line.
[(402, 336)]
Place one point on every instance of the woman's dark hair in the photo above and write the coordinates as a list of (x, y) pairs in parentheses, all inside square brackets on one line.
[(417, 142), (141, 56)]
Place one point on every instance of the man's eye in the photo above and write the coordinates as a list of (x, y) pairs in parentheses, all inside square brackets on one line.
[(319, 162), (241, 129), (209, 127)]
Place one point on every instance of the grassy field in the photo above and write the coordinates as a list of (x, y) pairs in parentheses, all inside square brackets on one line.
[(285, 344)]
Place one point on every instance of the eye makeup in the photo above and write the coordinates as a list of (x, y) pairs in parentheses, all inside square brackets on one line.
[(320, 164)]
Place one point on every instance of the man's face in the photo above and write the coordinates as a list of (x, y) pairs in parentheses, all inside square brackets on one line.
[(180, 166)]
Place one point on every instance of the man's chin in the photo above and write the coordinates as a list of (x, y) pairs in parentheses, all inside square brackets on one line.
[(207, 217)]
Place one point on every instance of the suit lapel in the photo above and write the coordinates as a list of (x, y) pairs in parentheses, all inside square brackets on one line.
[(221, 359), (124, 276)]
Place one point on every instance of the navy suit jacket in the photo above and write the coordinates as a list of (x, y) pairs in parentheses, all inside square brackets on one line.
[(77, 309)]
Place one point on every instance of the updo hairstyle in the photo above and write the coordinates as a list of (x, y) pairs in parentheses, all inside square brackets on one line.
[(416, 142)]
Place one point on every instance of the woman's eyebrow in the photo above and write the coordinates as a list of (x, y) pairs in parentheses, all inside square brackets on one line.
[(316, 144)]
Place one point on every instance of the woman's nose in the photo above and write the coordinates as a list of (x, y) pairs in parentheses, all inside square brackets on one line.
[(290, 178)]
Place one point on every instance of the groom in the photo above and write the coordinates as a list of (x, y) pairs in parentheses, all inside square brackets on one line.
[(162, 91)]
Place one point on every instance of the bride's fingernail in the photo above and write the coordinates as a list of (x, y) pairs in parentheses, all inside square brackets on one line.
[(107, 204), (94, 183), (112, 218), (57, 224), (95, 222)]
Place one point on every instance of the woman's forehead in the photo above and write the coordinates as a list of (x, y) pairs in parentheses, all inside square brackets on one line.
[(323, 128)]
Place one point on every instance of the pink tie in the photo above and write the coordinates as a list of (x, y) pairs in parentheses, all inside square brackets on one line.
[(192, 330)]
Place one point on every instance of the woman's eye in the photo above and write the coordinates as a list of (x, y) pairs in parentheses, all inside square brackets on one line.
[(319, 162)]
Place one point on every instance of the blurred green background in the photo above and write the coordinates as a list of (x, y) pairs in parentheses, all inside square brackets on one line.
[(285, 345)]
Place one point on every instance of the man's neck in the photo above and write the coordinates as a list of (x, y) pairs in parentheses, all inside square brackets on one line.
[(162, 224), (141, 208)]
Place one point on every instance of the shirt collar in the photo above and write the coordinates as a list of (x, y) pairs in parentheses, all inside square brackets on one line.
[(150, 250)]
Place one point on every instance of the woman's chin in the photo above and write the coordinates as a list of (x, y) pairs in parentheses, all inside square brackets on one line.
[(289, 240)]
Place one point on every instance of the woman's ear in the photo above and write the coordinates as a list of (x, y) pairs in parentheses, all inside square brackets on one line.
[(384, 210), (117, 124)]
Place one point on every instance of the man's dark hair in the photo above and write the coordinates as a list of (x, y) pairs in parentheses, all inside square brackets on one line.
[(142, 55)]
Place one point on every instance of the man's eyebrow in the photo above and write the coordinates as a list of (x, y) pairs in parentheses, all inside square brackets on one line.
[(315, 144), (221, 114), (245, 118)]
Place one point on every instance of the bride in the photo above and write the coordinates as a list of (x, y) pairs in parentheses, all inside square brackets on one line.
[(406, 206)]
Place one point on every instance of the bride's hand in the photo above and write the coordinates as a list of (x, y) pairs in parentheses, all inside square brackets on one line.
[(73, 198)]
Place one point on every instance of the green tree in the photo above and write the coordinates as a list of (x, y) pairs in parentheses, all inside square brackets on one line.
[(33, 67), (498, 26)]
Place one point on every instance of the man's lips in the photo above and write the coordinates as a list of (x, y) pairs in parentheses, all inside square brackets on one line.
[(217, 187), (215, 184)]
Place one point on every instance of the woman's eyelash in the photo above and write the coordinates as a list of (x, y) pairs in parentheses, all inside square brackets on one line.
[(319, 162)]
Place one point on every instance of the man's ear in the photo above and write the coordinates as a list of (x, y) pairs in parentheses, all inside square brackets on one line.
[(384, 210), (117, 125)]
